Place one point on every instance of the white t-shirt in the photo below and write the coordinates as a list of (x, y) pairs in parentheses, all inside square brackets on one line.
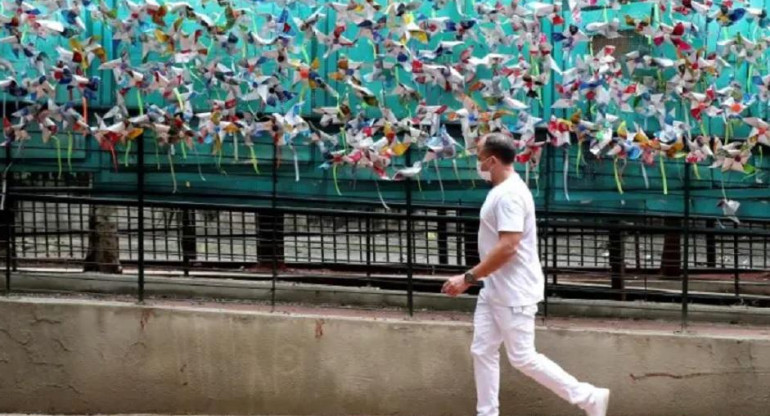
[(509, 207)]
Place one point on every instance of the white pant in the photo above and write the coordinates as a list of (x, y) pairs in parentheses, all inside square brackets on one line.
[(515, 327)]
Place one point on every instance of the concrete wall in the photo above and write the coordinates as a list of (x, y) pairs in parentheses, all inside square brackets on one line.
[(72, 356)]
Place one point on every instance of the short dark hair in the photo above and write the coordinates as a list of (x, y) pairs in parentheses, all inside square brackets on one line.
[(500, 146)]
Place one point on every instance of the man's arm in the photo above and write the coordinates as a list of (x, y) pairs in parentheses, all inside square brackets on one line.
[(501, 253)]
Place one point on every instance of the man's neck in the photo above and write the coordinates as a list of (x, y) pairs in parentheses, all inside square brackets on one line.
[(503, 176)]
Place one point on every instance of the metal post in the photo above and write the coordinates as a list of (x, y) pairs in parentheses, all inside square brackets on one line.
[(140, 213), (274, 227), (8, 208), (188, 239), (711, 245), (686, 248), (545, 230), (443, 238), (617, 259), (368, 247), (736, 272), (409, 238)]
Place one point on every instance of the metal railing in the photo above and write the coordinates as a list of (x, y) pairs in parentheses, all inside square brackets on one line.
[(654, 257)]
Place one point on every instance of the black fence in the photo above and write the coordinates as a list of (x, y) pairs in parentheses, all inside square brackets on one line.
[(60, 222), (606, 256)]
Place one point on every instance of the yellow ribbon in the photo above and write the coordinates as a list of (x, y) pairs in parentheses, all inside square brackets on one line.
[(663, 174)]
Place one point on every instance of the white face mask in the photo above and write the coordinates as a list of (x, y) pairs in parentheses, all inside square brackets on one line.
[(485, 175)]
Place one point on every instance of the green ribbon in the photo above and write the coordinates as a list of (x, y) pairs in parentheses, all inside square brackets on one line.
[(157, 154), (128, 150), (198, 162), (58, 154), (334, 176), (617, 177), (578, 158), (69, 150), (419, 183), (254, 162), (235, 147), (139, 100)]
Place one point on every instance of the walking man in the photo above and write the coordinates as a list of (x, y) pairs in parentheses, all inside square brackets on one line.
[(513, 286)]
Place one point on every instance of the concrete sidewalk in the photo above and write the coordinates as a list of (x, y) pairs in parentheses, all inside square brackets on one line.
[(202, 287)]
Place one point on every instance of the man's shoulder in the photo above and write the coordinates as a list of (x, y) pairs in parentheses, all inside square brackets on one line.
[(516, 189)]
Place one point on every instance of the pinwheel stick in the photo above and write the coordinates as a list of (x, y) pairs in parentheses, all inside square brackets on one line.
[(438, 176), (296, 163), (379, 194), (454, 168), (198, 162), (85, 108), (644, 175), (171, 166)]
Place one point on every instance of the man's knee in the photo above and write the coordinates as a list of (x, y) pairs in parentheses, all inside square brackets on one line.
[(481, 350), (524, 361)]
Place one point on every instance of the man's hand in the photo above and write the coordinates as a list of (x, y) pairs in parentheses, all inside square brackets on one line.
[(455, 286)]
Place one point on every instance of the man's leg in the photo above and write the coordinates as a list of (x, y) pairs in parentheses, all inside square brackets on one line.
[(518, 331), (486, 360)]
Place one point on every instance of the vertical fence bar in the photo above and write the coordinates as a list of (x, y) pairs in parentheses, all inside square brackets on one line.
[(546, 225), (409, 238), (736, 272), (442, 238), (8, 212), (686, 248), (188, 239), (274, 227), (140, 213), (368, 246)]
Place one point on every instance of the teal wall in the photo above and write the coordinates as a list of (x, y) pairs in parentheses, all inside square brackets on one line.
[(594, 188)]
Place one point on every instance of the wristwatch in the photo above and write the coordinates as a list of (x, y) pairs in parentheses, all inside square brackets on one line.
[(470, 278)]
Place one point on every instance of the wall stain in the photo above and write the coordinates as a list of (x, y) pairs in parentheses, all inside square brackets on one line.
[(693, 375), (146, 314)]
